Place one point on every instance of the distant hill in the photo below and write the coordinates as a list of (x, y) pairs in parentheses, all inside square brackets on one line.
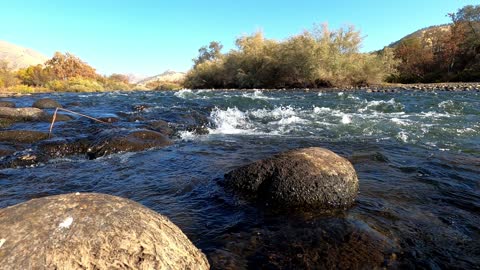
[(20, 57), (421, 33), (167, 76)]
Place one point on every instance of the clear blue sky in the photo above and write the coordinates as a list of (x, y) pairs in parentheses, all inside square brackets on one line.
[(149, 36)]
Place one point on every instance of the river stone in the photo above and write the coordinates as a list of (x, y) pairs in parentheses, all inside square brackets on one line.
[(22, 136), (7, 104), (162, 127), (61, 147), (306, 178), (114, 141), (92, 231), (5, 122), (21, 114), (46, 103)]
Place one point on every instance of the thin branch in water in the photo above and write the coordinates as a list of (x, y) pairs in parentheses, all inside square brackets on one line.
[(53, 122), (69, 111)]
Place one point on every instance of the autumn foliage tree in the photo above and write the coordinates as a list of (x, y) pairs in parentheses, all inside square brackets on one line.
[(445, 53), (65, 66)]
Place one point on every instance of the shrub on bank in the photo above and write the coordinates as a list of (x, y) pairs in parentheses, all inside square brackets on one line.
[(77, 84), (315, 58)]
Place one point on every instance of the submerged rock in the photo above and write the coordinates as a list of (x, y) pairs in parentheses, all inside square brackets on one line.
[(22, 136), (59, 118), (46, 103), (92, 231), (161, 126), (61, 147), (21, 114), (114, 141), (310, 177), (7, 104), (5, 123)]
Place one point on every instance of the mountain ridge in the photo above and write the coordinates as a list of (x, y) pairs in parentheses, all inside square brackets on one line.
[(18, 57)]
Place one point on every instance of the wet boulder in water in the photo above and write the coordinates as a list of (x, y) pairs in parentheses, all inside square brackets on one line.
[(306, 178), (58, 118), (46, 103), (61, 147), (22, 136), (161, 126), (114, 141), (92, 231), (7, 104), (21, 114)]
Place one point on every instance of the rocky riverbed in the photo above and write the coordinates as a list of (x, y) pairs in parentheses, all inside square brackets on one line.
[(415, 153)]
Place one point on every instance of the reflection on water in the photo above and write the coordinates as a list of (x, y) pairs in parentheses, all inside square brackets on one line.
[(417, 156)]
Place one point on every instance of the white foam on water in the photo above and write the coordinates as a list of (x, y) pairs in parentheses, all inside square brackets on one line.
[(291, 120), (465, 130), (432, 114), (401, 122), (403, 136), (321, 110), (257, 94), (346, 119), (188, 135), (374, 103), (185, 94), (230, 121)]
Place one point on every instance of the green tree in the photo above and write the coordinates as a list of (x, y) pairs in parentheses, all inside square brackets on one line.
[(213, 51)]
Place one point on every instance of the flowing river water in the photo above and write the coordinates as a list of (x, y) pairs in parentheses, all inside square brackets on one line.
[(417, 156)]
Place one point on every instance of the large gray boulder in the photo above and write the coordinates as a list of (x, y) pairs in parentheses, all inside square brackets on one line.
[(92, 231), (46, 103), (306, 178)]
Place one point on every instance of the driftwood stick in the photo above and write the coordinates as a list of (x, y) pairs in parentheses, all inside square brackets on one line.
[(53, 122), (69, 111)]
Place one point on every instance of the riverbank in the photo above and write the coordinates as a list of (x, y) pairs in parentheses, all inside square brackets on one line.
[(382, 88)]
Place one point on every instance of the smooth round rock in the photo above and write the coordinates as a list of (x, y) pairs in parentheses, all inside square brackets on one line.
[(306, 178), (46, 103), (92, 231)]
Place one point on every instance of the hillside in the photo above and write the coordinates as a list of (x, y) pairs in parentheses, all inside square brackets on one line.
[(165, 77), (421, 33), (20, 57)]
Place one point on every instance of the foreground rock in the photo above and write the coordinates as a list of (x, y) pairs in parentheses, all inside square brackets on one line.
[(21, 114), (307, 178), (46, 103), (92, 231), (22, 136)]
